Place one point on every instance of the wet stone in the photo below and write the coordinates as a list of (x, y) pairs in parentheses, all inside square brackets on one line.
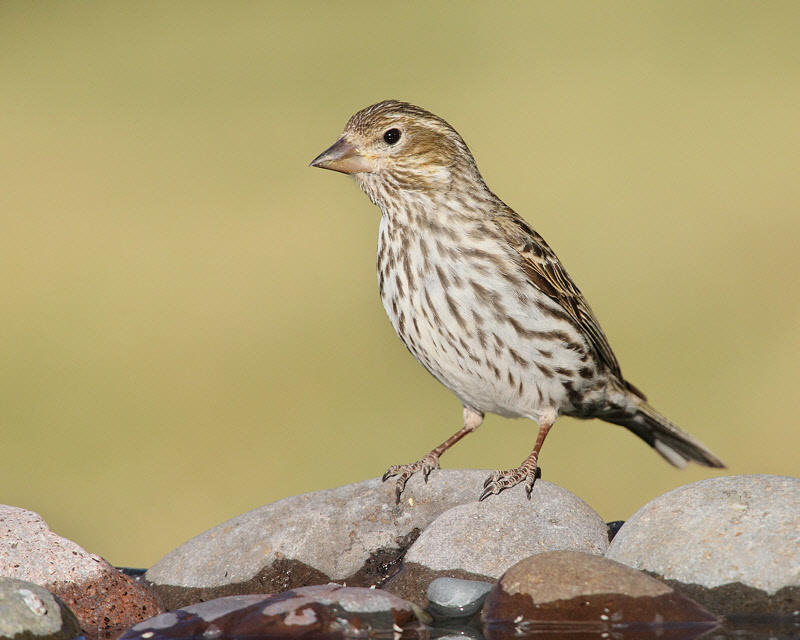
[(324, 611), (453, 598), (30, 611), (576, 590)]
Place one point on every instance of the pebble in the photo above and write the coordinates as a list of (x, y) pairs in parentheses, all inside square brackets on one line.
[(453, 598)]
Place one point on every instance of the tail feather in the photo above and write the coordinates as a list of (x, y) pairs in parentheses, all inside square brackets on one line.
[(673, 444)]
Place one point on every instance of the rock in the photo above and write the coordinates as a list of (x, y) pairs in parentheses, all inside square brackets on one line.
[(101, 597), (27, 610), (582, 592), (210, 619), (613, 528), (731, 543), (481, 540), (454, 598), (354, 535), (325, 611)]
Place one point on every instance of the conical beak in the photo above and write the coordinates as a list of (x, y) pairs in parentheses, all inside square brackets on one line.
[(342, 157)]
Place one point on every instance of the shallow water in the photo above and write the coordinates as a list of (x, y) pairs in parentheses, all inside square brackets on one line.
[(744, 627), (740, 628)]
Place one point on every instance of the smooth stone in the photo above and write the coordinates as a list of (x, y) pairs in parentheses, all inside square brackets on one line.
[(104, 600), (481, 540), (354, 535), (30, 611), (323, 611), (731, 543), (454, 598), (581, 591)]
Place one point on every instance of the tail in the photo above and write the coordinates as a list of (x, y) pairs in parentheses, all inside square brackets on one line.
[(673, 444)]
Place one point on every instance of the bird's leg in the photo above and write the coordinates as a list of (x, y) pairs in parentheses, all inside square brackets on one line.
[(527, 471), (472, 420)]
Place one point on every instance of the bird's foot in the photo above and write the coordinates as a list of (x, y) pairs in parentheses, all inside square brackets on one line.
[(405, 471), (502, 480)]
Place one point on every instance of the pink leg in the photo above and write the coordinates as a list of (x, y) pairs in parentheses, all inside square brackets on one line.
[(501, 480), (472, 420)]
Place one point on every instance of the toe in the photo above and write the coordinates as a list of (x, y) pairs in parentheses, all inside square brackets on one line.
[(530, 480), (391, 471), (492, 479), (489, 491)]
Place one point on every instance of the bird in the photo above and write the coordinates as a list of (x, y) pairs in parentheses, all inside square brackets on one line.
[(480, 299)]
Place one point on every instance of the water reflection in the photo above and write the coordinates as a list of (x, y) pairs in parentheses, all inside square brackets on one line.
[(739, 628)]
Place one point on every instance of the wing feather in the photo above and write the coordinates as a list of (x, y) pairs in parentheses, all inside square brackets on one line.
[(545, 272)]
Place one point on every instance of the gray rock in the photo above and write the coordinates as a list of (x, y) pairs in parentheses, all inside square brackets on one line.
[(481, 540), (28, 610), (454, 598), (353, 535), (731, 543), (486, 538), (103, 599)]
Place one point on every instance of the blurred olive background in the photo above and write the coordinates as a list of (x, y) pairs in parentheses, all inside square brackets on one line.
[(190, 320)]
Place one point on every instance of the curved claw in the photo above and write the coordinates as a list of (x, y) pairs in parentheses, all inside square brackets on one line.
[(489, 491), (405, 471), (501, 480), (398, 489), (530, 480), (391, 471), (492, 478), (529, 488)]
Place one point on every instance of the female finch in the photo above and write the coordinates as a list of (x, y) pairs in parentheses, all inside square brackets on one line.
[(480, 299)]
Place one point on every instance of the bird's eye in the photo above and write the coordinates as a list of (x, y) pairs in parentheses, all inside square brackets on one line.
[(391, 136)]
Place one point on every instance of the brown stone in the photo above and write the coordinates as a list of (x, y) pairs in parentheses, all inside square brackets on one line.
[(103, 599), (324, 612), (578, 590), (110, 603)]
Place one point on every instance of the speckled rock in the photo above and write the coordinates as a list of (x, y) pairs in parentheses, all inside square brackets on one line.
[(30, 611), (103, 599), (325, 611), (731, 543), (579, 591), (481, 540), (355, 535)]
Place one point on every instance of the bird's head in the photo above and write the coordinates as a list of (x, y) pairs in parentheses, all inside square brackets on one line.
[(395, 146)]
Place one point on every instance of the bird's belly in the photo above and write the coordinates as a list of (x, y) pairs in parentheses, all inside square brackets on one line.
[(488, 342)]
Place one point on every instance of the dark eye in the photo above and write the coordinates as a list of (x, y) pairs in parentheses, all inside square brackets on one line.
[(391, 136)]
